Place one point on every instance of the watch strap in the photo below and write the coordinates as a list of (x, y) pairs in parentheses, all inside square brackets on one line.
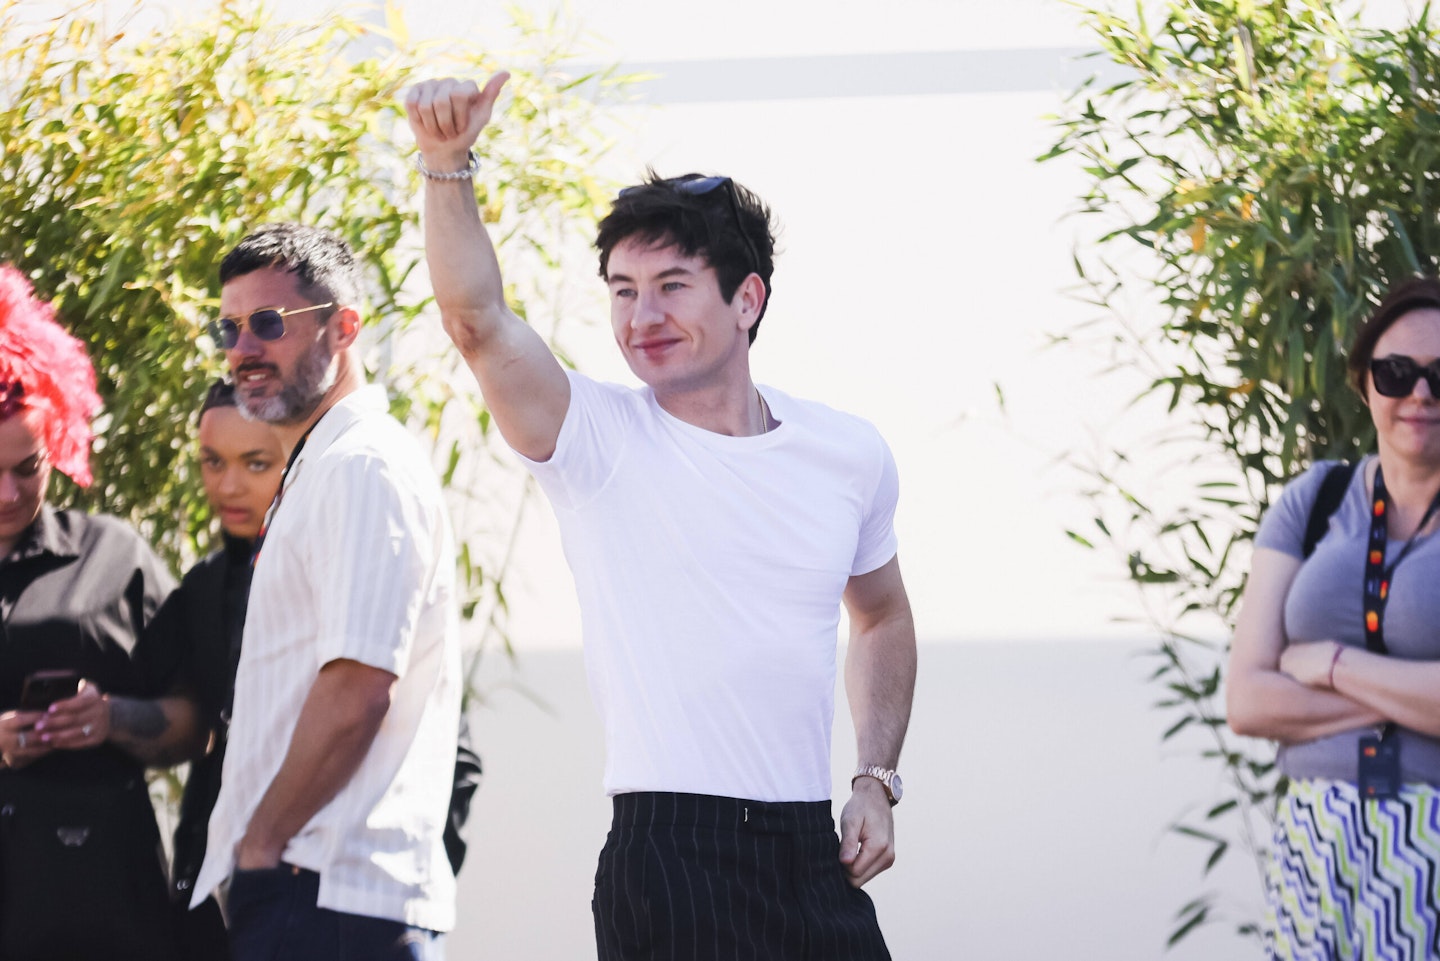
[(884, 775)]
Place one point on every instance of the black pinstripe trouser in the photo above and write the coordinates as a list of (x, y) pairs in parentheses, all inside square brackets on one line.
[(690, 877)]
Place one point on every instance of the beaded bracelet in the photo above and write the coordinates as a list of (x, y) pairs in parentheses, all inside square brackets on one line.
[(472, 167)]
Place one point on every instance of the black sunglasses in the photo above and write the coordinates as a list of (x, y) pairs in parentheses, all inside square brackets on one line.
[(267, 323), (699, 187), (1395, 376)]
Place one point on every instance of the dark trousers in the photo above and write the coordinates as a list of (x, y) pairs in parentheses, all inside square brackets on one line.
[(273, 917), (690, 877), (201, 931)]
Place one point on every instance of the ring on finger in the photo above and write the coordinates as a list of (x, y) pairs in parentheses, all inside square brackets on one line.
[(22, 740), (86, 730)]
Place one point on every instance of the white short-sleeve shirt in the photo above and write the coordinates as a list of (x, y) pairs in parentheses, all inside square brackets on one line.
[(358, 563), (710, 571)]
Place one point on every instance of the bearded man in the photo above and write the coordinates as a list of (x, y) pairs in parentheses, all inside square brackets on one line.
[(337, 777)]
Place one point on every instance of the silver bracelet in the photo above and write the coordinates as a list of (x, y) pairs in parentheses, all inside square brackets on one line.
[(472, 167)]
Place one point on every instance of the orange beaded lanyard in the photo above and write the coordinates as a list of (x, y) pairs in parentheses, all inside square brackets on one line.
[(1376, 587)]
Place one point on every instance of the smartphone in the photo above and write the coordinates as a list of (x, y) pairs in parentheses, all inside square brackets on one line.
[(44, 688)]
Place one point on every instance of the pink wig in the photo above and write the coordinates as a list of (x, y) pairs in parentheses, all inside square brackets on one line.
[(45, 369)]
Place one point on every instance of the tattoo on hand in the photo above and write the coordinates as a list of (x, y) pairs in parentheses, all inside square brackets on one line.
[(141, 720)]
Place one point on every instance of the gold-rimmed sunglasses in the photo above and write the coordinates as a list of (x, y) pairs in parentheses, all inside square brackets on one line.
[(267, 323)]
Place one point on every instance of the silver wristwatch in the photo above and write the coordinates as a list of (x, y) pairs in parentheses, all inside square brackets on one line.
[(894, 788)]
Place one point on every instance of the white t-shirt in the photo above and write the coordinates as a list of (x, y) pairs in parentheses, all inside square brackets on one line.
[(358, 563), (710, 571)]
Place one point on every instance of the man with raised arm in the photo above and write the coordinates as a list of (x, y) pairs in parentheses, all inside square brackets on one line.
[(341, 744), (714, 530)]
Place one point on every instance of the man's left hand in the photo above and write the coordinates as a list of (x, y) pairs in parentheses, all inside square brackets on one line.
[(252, 854), (867, 832)]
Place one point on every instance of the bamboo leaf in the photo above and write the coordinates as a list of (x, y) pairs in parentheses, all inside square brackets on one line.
[(1287, 155), (1190, 924)]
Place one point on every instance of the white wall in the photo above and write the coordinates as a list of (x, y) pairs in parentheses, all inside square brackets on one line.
[(924, 260), (1034, 823)]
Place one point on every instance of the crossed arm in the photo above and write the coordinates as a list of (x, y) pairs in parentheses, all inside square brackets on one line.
[(880, 684), (1290, 694)]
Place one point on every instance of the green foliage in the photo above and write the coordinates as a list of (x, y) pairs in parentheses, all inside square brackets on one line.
[(1262, 173), (130, 163)]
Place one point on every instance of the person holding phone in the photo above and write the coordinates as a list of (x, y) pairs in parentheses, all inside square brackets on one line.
[(1336, 657), (81, 868)]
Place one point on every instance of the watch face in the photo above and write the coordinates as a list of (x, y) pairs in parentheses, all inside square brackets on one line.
[(897, 789)]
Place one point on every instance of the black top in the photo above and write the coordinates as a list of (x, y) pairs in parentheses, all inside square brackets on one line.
[(206, 619), (77, 592)]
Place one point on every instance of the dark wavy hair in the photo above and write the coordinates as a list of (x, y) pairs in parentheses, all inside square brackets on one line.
[(323, 263), (656, 212), (1417, 293)]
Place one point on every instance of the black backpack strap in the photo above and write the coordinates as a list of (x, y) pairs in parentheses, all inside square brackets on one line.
[(1332, 492)]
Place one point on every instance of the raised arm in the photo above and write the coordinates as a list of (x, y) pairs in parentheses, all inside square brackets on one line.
[(1261, 701), (880, 684), (523, 384)]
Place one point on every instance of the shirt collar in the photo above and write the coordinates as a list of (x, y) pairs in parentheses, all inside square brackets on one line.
[(46, 536), (346, 411)]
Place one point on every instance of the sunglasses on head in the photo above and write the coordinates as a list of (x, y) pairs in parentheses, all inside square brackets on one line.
[(267, 323), (1395, 376), (699, 187)]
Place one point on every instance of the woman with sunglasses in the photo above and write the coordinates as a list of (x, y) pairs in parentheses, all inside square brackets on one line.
[(81, 871), (1336, 657)]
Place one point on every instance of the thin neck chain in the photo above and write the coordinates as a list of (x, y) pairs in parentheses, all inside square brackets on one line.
[(767, 423)]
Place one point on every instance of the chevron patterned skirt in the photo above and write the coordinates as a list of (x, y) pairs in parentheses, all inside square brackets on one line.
[(1354, 880)]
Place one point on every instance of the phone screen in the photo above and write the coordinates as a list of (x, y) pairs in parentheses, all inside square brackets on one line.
[(44, 688)]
